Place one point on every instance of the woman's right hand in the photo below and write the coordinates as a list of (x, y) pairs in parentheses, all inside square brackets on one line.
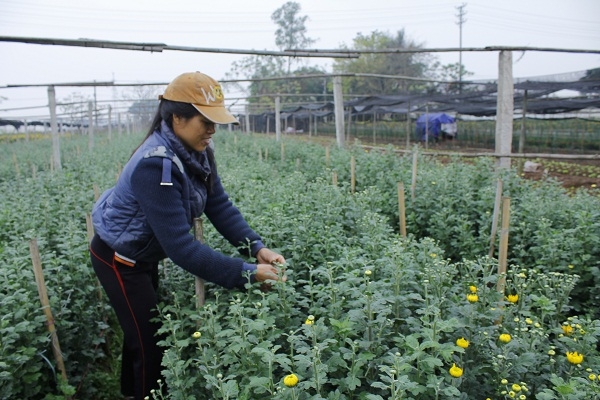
[(267, 271)]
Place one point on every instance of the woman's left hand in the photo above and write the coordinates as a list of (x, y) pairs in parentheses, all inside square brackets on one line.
[(268, 256)]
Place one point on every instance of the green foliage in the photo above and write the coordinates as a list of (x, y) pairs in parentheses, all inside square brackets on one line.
[(387, 310)]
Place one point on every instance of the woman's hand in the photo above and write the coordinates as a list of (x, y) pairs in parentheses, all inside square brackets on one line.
[(268, 271), (268, 256)]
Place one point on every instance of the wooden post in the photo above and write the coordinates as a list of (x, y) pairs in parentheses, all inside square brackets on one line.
[(352, 174), (41, 285), (282, 152), (327, 156), (56, 164), (334, 178), (338, 101), (503, 250), (374, 128), (414, 174), (90, 127), (109, 123), (401, 209), (497, 201), (504, 108), (96, 192), (17, 170), (427, 126), (199, 282), (408, 125), (523, 125), (277, 118)]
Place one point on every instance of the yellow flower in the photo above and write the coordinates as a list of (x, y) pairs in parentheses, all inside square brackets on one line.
[(529, 321), (567, 329), (455, 371), (592, 377), (310, 320), (290, 380), (473, 289), (504, 381), (196, 335), (522, 397), (516, 387), (513, 298), (462, 342), (368, 272), (574, 357), (472, 298), (505, 338), (511, 394)]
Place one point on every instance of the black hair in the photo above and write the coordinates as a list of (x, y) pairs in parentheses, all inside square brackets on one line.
[(165, 111)]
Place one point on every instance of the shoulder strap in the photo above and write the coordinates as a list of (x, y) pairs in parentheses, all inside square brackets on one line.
[(168, 158)]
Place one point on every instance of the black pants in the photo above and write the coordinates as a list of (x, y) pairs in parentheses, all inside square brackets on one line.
[(132, 294)]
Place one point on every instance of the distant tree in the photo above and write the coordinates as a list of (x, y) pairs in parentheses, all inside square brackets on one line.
[(291, 31), (450, 73), (414, 65), (290, 34), (144, 102), (73, 109)]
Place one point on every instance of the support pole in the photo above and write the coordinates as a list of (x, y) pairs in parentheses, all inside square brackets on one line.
[(503, 250), (90, 127), (401, 209), (338, 100), (41, 285), (497, 202), (56, 164), (199, 282), (505, 108), (277, 118)]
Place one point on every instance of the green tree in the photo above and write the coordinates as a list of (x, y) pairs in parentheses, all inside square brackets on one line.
[(291, 30), (291, 33), (405, 64), (450, 73)]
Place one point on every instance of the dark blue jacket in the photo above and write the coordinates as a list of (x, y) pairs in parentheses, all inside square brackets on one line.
[(148, 215)]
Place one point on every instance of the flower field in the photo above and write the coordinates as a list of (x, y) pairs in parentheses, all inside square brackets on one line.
[(365, 313)]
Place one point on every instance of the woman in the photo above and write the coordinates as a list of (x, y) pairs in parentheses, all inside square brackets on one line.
[(148, 215)]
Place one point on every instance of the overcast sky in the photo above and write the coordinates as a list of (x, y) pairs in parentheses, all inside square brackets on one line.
[(244, 24)]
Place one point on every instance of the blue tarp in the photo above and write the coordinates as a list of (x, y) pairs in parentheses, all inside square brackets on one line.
[(439, 125)]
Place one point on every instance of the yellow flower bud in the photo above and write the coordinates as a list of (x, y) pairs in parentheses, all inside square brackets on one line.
[(455, 371), (512, 298), (505, 338), (574, 357), (462, 342), (197, 335), (290, 380)]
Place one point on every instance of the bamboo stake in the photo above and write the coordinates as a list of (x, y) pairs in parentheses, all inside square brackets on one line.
[(41, 285), (17, 171), (401, 209), (199, 282), (327, 156), (414, 174), (282, 152), (497, 202), (503, 250), (352, 174), (96, 192), (334, 178)]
